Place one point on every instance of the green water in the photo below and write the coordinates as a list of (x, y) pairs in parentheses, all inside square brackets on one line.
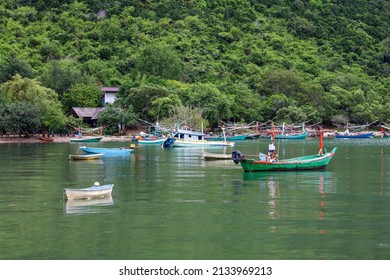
[(169, 204)]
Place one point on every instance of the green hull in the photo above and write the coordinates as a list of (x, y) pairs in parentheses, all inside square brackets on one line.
[(312, 162), (86, 140), (291, 136), (228, 138)]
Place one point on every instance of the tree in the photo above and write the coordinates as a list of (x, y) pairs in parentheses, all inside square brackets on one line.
[(19, 118), (215, 105), (61, 76), (161, 61), (81, 95), (116, 119), (20, 89), (141, 99), (186, 116), (13, 65), (161, 107)]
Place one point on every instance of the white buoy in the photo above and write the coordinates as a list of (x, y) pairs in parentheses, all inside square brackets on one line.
[(96, 184)]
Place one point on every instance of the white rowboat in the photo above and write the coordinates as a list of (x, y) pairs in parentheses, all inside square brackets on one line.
[(88, 193)]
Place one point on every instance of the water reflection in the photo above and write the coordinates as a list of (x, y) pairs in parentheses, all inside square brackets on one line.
[(288, 192), (88, 206), (323, 181)]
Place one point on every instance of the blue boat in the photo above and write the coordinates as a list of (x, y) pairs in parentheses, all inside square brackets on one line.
[(353, 135), (108, 151), (149, 141)]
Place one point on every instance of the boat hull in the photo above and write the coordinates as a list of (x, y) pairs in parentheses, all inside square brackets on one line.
[(229, 138), (212, 156), (151, 142), (86, 140), (313, 162), (46, 139), (88, 193), (86, 156), (354, 136), (107, 151), (200, 143), (291, 136)]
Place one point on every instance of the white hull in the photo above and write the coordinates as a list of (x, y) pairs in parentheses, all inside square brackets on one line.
[(88, 193), (202, 143)]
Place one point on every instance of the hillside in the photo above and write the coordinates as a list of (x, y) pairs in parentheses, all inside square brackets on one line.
[(324, 61)]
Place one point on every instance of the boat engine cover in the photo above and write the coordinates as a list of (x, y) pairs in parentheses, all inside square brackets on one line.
[(237, 156)]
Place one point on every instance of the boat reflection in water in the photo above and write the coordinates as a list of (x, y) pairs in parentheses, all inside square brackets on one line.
[(89, 206), (294, 191), (323, 181)]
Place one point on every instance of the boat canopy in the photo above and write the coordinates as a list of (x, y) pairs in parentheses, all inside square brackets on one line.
[(189, 135)]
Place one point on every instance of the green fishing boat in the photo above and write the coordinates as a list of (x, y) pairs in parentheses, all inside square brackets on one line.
[(270, 162)]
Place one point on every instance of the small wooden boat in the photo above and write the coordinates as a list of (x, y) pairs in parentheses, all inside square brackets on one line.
[(108, 151), (213, 156), (86, 139), (269, 162), (46, 139), (87, 193), (85, 156)]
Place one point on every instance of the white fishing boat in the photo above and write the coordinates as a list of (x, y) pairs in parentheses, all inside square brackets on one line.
[(189, 138), (95, 191)]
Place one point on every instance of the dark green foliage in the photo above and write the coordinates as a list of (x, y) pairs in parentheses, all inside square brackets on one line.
[(115, 118), (19, 118), (236, 60), (160, 61), (81, 95), (12, 65)]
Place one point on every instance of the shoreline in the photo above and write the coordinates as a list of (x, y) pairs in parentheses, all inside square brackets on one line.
[(60, 139)]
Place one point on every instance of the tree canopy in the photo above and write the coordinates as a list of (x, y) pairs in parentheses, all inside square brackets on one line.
[(232, 60)]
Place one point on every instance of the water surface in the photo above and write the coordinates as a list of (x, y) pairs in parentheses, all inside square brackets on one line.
[(170, 204)]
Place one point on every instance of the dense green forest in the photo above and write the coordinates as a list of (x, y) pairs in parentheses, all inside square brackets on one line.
[(233, 60)]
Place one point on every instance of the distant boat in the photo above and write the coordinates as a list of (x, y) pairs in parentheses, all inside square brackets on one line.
[(213, 156), (108, 151), (290, 133), (270, 161), (228, 138), (284, 135), (86, 139), (189, 138), (350, 135), (151, 141), (85, 156), (88, 193), (46, 139)]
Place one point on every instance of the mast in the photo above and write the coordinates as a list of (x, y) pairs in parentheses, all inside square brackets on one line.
[(320, 152)]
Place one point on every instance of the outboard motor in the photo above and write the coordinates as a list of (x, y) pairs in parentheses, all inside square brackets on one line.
[(168, 143), (237, 156)]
